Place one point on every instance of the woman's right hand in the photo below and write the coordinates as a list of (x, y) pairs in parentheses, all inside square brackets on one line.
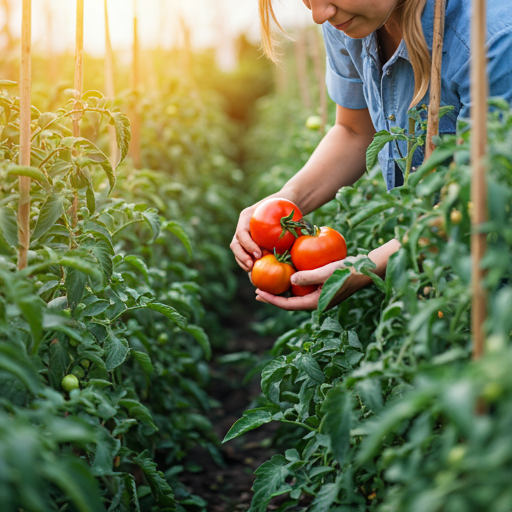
[(243, 246)]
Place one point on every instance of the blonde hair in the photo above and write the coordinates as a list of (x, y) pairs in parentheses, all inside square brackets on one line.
[(412, 30)]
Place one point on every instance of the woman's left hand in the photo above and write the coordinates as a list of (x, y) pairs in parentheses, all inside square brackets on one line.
[(318, 276)]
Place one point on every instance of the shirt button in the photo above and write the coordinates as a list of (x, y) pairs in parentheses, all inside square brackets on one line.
[(391, 117), (388, 72)]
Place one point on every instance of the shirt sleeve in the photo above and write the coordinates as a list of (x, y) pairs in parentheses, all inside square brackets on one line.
[(343, 81), (499, 72)]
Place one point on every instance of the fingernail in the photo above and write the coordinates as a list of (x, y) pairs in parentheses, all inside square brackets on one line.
[(293, 280), (257, 255)]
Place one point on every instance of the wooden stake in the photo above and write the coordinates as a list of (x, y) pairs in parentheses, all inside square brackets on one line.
[(109, 85), (319, 64), (435, 80), (135, 143), (25, 120), (479, 93), (79, 79), (79, 61)]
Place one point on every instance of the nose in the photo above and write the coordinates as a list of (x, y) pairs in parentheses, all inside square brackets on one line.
[(322, 11)]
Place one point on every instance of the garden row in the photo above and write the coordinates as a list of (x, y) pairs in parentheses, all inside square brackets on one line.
[(381, 405), (104, 335)]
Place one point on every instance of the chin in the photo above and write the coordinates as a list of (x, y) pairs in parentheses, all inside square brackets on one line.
[(357, 33)]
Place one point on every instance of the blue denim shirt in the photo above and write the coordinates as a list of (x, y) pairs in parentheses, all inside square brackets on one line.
[(355, 78)]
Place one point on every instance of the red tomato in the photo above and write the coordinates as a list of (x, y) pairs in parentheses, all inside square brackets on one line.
[(270, 275), (266, 225), (310, 252), (300, 291)]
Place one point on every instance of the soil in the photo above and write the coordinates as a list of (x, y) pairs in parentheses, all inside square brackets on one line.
[(228, 489)]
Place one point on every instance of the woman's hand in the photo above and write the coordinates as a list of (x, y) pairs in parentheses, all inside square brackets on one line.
[(318, 276), (354, 283), (243, 246)]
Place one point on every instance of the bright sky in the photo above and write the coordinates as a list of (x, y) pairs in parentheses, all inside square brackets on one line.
[(209, 20)]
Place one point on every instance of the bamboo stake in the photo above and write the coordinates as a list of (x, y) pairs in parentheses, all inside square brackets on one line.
[(479, 92), (25, 119), (109, 85), (435, 80), (79, 79), (318, 63), (135, 143)]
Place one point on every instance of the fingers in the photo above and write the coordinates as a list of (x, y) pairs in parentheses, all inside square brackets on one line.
[(243, 246), (308, 302), (243, 237), (242, 258), (317, 276)]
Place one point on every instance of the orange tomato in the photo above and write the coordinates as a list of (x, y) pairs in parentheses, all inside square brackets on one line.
[(315, 251), (271, 275)]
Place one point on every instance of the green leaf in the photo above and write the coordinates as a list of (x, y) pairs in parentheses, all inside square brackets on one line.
[(251, 419), (123, 133), (144, 360), (51, 211), (7, 84), (438, 157), (369, 211), (75, 282), (331, 288), (202, 339), (160, 489), (92, 94), (59, 363), (29, 172), (337, 422), (308, 364), (380, 139), (140, 412), (169, 312), (153, 219), (139, 264), (91, 200), (75, 479), (116, 351), (15, 362), (96, 308), (270, 476), (326, 496), (177, 230), (9, 225)]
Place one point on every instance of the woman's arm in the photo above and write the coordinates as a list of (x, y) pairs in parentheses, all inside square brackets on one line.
[(339, 160)]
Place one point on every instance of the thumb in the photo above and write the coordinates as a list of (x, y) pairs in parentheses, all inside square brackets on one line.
[(307, 277)]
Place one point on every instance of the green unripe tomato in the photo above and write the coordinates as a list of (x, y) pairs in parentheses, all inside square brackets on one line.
[(70, 382), (456, 454), (314, 122), (163, 338), (86, 363)]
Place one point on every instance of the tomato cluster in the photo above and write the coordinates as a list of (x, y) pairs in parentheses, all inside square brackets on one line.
[(277, 225)]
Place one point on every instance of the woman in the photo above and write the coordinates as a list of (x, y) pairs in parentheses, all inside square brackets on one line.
[(378, 66)]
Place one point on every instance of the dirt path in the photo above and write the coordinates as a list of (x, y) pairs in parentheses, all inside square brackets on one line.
[(228, 489)]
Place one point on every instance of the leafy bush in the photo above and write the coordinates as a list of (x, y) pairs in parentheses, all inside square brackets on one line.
[(380, 390)]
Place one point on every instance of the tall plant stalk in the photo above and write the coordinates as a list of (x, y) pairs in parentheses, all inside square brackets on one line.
[(109, 84), (135, 143), (479, 93), (79, 78), (25, 118), (435, 80)]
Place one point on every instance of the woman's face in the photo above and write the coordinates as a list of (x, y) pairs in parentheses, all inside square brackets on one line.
[(357, 18)]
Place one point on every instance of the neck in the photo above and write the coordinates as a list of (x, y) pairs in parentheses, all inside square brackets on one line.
[(390, 34)]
